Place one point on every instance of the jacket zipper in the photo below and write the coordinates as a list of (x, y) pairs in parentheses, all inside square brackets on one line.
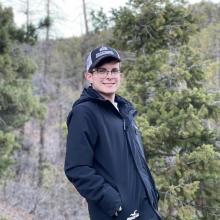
[(126, 135)]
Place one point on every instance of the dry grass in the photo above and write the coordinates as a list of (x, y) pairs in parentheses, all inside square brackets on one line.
[(8, 212)]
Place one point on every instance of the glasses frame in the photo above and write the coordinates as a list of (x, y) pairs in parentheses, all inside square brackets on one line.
[(114, 72)]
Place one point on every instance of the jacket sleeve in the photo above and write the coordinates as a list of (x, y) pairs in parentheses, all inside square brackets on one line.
[(81, 139)]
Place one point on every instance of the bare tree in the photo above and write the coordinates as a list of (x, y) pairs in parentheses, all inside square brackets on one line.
[(48, 17), (85, 17), (46, 49), (27, 12)]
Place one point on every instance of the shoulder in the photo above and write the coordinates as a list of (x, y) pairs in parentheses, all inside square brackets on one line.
[(85, 107), (86, 110), (82, 112)]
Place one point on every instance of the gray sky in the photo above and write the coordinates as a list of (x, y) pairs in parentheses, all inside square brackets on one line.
[(67, 14)]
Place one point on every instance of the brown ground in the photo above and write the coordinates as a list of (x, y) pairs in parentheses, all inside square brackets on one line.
[(8, 212)]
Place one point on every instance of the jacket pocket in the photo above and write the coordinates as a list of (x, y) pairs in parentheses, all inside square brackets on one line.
[(130, 206), (111, 200)]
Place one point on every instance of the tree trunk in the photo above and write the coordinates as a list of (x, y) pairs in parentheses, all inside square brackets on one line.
[(85, 17)]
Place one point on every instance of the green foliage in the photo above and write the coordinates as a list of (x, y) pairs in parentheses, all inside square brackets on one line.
[(16, 96), (7, 146), (49, 173), (46, 22), (17, 105), (189, 184), (3, 218), (152, 25), (100, 20), (172, 101), (174, 114), (17, 102), (7, 26), (10, 33)]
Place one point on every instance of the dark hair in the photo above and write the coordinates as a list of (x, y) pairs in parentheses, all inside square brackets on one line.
[(106, 60)]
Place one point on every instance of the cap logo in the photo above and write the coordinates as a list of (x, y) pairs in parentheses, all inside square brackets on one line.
[(103, 48), (109, 52)]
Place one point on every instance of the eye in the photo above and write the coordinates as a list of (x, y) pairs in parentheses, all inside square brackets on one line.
[(115, 71), (101, 70)]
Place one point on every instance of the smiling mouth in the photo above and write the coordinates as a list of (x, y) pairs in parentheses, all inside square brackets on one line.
[(108, 83)]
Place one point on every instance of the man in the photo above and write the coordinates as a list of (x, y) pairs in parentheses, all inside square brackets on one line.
[(104, 156)]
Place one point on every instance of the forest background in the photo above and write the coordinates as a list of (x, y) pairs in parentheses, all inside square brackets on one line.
[(171, 67)]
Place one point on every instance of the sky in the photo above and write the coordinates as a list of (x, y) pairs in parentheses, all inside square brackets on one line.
[(67, 14)]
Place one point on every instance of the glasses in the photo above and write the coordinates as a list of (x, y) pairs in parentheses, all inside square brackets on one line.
[(103, 72)]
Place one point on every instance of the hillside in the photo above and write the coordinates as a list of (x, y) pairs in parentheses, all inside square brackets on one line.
[(9, 212), (36, 187)]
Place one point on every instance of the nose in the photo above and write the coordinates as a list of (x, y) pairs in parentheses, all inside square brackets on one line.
[(109, 75)]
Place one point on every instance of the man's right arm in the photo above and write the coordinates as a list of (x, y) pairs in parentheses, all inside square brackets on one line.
[(81, 140)]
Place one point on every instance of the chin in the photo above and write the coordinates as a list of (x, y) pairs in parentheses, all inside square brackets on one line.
[(109, 91)]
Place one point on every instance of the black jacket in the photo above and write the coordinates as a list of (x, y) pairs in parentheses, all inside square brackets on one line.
[(105, 159)]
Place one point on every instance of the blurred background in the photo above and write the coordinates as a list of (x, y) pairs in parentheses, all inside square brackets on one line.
[(171, 66)]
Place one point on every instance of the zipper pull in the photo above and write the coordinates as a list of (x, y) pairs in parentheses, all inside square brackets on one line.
[(124, 125)]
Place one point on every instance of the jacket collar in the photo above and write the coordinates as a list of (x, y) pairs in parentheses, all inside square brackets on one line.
[(90, 94)]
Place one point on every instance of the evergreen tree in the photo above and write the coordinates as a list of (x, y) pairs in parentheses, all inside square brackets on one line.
[(145, 26), (17, 102), (174, 117)]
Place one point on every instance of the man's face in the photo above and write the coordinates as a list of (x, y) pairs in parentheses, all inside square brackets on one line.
[(106, 79)]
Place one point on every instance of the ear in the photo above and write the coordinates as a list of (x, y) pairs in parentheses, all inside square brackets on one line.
[(89, 77)]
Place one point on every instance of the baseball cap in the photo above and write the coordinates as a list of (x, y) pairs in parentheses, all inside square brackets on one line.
[(98, 54)]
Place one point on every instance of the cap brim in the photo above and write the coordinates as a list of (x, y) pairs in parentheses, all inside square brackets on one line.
[(102, 58)]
